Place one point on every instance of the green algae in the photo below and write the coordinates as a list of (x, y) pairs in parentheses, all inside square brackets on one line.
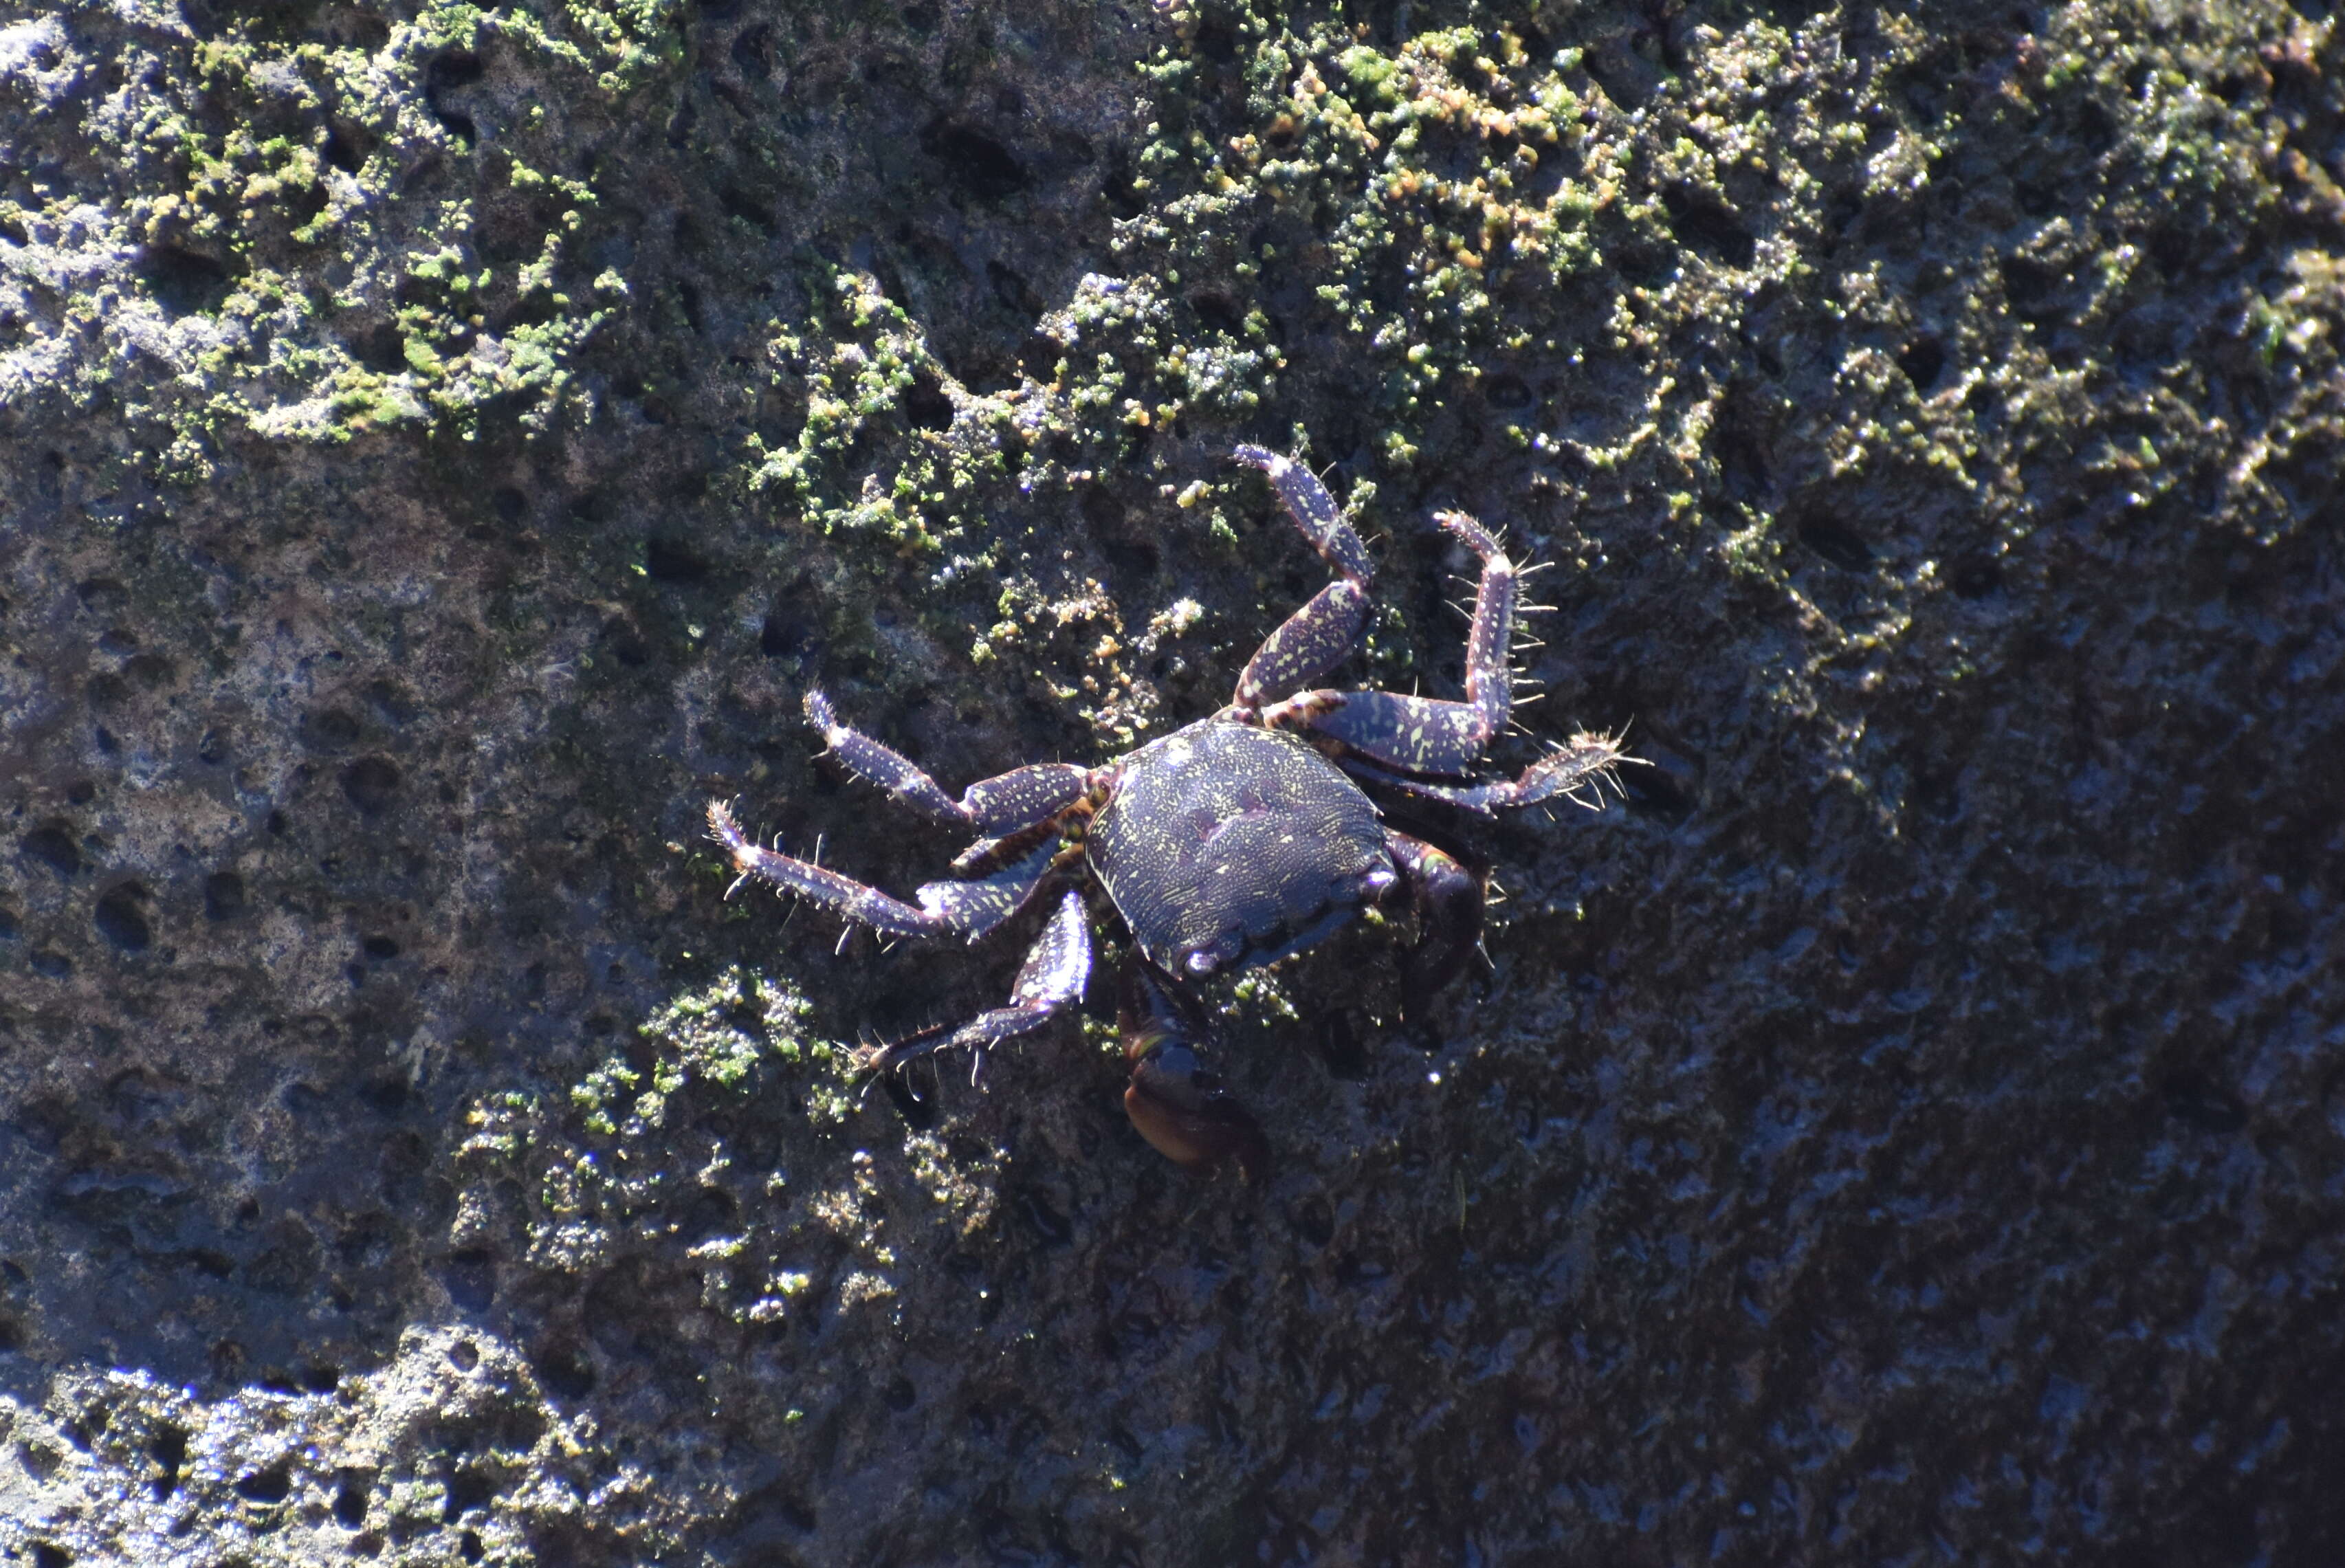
[(326, 242), (595, 1171)]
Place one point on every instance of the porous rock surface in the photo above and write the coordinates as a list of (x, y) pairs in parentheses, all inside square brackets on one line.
[(440, 444)]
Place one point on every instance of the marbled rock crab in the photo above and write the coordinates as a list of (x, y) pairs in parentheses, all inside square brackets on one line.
[(1232, 842)]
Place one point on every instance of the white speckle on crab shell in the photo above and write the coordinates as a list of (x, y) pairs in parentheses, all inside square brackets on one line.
[(1236, 841)]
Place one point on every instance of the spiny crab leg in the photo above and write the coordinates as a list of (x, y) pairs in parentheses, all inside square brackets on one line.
[(969, 908), (1019, 798), (1586, 759), (1323, 634), (1052, 976), (1425, 734), (1313, 511)]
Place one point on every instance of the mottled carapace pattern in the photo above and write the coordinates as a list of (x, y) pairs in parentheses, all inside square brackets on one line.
[(1235, 842)]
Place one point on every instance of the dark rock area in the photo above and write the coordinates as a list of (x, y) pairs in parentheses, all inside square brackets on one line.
[(439, 445)]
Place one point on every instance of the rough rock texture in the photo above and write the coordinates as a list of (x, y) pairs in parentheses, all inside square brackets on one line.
[(439, 445)]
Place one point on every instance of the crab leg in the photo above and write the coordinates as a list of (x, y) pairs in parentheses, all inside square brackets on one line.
[(1423, 735), (1179, 1108), (1585, 759), (1312, 510), (1053, 976), (969, 908), (1323, 634), (1019, 798)]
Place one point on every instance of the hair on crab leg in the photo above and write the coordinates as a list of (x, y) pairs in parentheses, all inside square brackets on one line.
[(865, 1045), (1049, 981), (715, 834), (969, 908)]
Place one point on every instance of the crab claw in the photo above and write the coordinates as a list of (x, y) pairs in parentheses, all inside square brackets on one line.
[(1447, 899), (1182, 1109)]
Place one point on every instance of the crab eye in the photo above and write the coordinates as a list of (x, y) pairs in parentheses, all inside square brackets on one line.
[(1203, 963)]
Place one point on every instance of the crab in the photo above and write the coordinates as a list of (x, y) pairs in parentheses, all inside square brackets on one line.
[(1244, 838)]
